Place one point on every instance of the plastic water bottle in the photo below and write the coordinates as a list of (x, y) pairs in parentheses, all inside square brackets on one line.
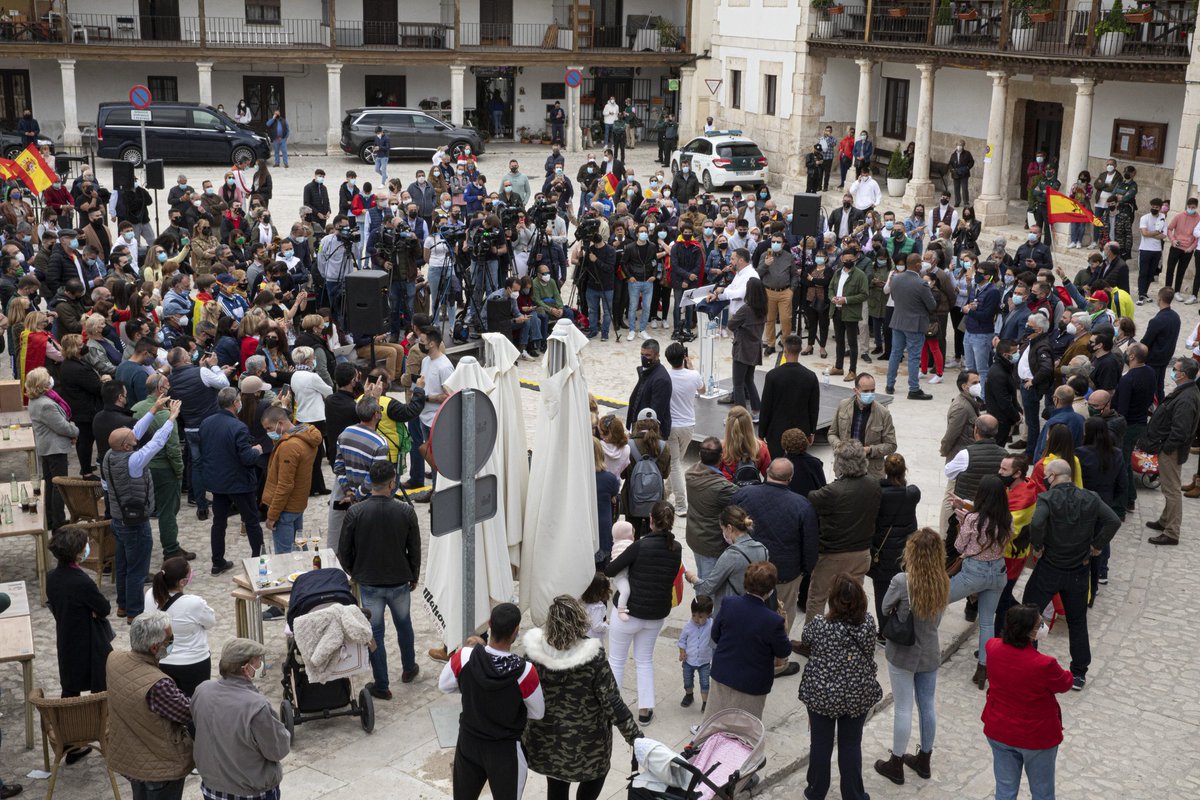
[(825, 379), (262, 567)]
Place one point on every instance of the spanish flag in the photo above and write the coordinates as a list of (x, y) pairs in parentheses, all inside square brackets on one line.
[(11, 169), (609, 185), (38, 174), (1060, 208)]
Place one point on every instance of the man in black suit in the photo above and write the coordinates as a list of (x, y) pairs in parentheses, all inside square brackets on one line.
[(791, 398), (614, 165), (1162, 334), (842, 221), (1114, 271), (1000, 390)]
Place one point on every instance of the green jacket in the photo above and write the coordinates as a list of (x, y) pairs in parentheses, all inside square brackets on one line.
[(855, 292), (544, 291), (1037, 197), (876, 299), (170, 456)]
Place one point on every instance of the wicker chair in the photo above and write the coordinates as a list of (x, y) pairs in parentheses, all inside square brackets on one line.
[(72, 722), (85, 503)]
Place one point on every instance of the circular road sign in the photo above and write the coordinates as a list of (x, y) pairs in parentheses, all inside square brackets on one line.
[(574, 78), (139, 96), (445, 436)]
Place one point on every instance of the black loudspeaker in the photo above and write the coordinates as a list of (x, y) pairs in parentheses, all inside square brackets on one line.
[(62, 164), (122, 175), (367, 302), (154, 175), (806, 215)]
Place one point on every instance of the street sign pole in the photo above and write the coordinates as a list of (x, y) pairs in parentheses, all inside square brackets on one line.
[(468, 512), (145, 155)]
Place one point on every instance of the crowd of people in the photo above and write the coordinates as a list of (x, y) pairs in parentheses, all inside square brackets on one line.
[(214, 363)]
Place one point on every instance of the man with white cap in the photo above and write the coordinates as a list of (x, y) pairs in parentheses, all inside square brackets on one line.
[(239, 741)]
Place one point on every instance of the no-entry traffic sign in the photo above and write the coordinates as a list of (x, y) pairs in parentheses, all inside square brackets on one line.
[(139, 96), (574, 78)]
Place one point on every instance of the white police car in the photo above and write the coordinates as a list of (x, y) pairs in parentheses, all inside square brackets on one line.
[(723, 158)]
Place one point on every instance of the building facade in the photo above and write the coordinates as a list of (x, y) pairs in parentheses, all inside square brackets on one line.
[(459, 59), (994, 73)]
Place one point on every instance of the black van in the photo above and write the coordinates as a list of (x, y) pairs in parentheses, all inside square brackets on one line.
[(190, 132)]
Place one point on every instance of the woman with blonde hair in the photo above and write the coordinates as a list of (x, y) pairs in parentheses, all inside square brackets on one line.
[(614, 441), (53, 433), (38, 345), (921, 592), (572, 743), (99, 353), (741, 445), (311, 335), (18, 309)]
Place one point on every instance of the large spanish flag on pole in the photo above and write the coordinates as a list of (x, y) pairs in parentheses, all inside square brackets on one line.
[(1060, 208), (11, 169), (40, 174)]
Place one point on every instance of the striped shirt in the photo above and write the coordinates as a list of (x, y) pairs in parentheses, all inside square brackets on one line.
[(357, 449)]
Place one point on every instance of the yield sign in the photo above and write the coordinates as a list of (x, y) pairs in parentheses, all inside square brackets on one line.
[(713, 84)]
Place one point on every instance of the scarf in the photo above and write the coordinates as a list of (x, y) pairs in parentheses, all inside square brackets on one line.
[(66, 409)]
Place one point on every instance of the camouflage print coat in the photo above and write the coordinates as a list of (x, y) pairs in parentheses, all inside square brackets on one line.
[(573, 741)]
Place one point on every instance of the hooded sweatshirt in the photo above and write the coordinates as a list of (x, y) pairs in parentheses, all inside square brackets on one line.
[(500, 691)]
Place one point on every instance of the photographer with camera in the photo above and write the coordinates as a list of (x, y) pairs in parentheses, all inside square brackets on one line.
[(335, 260), (596, 277), (397, 251), (489, 251), (441, 246)]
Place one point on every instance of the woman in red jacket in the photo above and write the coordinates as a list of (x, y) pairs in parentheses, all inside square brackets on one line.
[(1022, 720)]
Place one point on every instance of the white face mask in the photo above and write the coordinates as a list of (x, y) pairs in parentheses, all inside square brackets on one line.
[(976, 390), (1041, 632), (257, 672)]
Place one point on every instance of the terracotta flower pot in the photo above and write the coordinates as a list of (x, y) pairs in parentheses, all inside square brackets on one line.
[(969, 16), (898, 12), (833, 11), (1138, 17), (1041, 16)]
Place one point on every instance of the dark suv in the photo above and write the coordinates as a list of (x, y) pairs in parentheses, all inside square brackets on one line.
[(188, 132), (12, 143), (412, 133)]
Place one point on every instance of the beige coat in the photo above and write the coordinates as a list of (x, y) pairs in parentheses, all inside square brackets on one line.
[(879, 434)]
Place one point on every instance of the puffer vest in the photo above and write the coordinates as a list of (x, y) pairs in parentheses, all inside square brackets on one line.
[(141, 744)]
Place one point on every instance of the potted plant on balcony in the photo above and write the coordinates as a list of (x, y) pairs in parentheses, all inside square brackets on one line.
[(1040, 12), (1023, 33), (1143, 13), (824, 22), (1112, 32), (668, 36), (968, 14), (943, 24), (898, 10), (898, 169)]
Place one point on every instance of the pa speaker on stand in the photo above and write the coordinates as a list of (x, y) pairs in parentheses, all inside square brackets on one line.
[(122, 173), (806, 215)]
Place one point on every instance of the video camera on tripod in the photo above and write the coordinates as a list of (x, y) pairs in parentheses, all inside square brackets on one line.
[(509, 216), (482, 240), (542, 213), (588, 230), (393, 240)]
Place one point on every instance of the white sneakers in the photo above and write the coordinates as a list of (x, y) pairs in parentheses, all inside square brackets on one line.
[(644, 335), (1189, 300), (935, 378)]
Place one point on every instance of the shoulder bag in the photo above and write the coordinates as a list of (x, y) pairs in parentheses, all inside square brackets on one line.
[(901, 632)]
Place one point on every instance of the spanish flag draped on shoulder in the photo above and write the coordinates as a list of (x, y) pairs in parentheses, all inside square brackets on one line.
[(39, 174), (1060, 208)]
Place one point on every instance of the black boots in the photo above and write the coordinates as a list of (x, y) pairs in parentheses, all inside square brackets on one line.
[(980, 676), (892, 769), (918, 763)]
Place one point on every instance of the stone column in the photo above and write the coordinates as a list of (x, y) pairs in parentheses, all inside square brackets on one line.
[(1186, 152), (333, 136), (1081, 139), (991, 207), (862, 116), (688, 124), (204, 73), (920, 188), (457, 93), (71, 137), (574, 133)]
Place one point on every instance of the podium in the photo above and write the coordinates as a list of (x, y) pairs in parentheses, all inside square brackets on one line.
[(706, 325)]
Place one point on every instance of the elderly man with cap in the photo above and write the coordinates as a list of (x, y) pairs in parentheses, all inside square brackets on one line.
[(239, 740), (148, 740), (125, 476), (231, 302)]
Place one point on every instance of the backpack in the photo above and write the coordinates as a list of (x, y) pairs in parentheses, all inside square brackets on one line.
[(645, 486), (746, 474)]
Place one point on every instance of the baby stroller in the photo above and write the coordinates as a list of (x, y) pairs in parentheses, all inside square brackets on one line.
[(722, 761), (304, 701), (1145, 466)]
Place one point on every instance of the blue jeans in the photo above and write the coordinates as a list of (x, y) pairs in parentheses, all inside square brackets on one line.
[(987, 578), (281, 152), (598, 300), (607, 133), (1031, 405), (283, 535), (497, 122), (381, 163), (1007, 763), (197, 490), (978, 350), (907, 343), (906, 685), (704, 565), (1077, 231), (642, 291), (400, 300), (397, 599), (689, 673), (134, 546)]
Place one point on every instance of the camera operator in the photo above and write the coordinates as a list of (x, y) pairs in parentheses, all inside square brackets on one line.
[(439, 255), (335, 260), (524, 233), (549, 252), (397, 252), (598, 269)]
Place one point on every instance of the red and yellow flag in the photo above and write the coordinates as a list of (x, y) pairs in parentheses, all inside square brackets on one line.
[(609, 185), (1060, 208), (11, 169), (39, 174)]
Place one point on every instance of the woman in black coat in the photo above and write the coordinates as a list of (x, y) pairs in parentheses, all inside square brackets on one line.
[(79, 385), (82, 630), (1103, 466), (894, 523), (747, 329)]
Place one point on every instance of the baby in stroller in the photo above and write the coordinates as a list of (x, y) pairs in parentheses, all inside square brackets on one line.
[(722, 762)]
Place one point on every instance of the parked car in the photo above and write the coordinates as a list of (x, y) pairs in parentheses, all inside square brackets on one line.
[(723, 158), (190, 132), (12, 143), (412, 132)]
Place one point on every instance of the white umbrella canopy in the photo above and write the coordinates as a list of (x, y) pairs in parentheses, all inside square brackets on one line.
[(493, 573), (560, 534), (511, 447)]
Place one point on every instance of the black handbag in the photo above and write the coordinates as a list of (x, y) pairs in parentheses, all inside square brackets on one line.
[(901, 632)]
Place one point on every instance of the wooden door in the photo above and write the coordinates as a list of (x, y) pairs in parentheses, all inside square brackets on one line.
[(264, 96), (609, 21), (495, 22), (380, 18), (1043, 131), (159, 20), (14, 97)]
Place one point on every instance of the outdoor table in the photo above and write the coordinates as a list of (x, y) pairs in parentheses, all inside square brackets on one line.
[(20, 440), (16, 644), (27, 523), (250, 593)]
